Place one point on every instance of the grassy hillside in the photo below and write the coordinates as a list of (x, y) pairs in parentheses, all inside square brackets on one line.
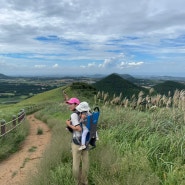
[(114, 84), (168, 86), (81, 90), (48, 96), (134, 148)]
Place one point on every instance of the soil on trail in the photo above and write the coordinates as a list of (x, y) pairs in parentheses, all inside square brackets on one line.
[(16, 169)]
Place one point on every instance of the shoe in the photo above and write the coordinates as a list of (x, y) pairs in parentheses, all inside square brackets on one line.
[(82, 147)]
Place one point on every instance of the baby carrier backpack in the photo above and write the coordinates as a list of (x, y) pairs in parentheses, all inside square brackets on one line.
[(91, 124)]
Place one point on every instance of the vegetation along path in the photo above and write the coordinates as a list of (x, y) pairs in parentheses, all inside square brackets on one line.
[(18, 166)]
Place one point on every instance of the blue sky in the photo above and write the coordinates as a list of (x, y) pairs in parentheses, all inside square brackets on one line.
[(81, 37)]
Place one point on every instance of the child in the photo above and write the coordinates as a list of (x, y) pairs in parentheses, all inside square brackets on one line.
[(83, 108), (85, 130)]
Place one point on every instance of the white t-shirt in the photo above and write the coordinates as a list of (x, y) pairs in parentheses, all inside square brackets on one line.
[(75, 121)]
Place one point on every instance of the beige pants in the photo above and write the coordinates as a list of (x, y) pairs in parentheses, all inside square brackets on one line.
[(80, 164)]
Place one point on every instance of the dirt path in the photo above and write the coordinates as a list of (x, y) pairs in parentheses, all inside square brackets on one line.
[(15, 169)]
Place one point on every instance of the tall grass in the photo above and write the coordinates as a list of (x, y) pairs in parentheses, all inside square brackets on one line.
[(55, 167), (7, 111), (134, 148), (159, 134)]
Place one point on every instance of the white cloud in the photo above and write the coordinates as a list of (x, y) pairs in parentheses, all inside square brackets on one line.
[(130, 64), (91, 64), (40, 66), (120, 62), (107, 63), (135, 63), (102, 31), (2, 63), (55, 66), (82, 66)]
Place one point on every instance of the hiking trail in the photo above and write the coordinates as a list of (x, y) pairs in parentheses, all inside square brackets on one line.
[(15, 169)]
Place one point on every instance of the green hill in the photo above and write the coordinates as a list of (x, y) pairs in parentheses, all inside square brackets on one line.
[(165, 87), (115, 84), (128, 77), (81, 90)]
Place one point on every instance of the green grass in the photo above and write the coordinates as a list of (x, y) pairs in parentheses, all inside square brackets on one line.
[(12, 99), (54, 95), (134, 148), (11, 142), (7, 111)]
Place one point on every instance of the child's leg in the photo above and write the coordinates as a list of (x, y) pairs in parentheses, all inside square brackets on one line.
[(97, 138), (84, 134), (96, 134)]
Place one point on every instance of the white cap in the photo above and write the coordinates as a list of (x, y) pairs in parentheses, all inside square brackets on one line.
[(83, 107)]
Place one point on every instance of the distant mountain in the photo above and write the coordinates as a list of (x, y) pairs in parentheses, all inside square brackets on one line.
[(2, 76), (170, 78), (128, 77), (115, 84), (165, 87)]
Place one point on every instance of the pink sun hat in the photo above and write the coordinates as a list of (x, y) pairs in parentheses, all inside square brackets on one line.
[(73, 100)]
